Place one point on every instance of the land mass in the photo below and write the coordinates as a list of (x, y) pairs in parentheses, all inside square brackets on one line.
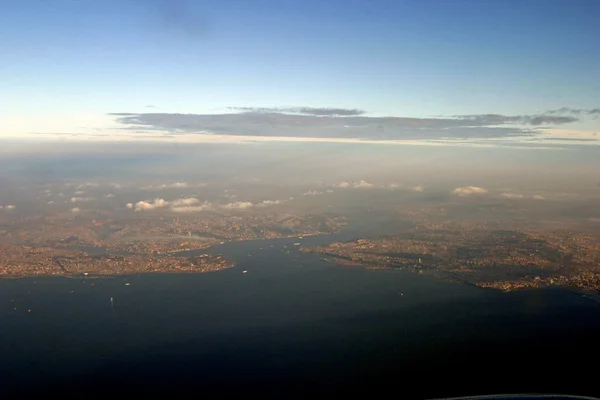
[(70, 246), (491, 258)]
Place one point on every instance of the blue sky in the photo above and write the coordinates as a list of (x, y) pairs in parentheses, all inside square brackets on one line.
[(67, 63)]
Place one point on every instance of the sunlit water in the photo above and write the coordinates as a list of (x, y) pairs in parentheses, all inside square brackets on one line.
[(296, 323)]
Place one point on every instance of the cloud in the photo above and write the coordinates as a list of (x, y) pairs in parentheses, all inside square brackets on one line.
[(10, 207), (75, 210), (512, 196), (80, 192), (417, 188), (130, 205), (518, 196), (312, 193), (329, 191), (189, 201), (318, 111), (88, 185), (394, 186), (109, 196), (146, 205), (51, 202), (469, 190), (335, 123), (80, 199), (266, 203), (205, 206), (174, 185), (238, 205), (497, 119), (362, 184), (576, 111)]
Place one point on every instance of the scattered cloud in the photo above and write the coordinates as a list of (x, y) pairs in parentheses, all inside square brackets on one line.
[(362, 184), (75, 210), (238, 205), (109, 196), (329, 191), (266, 203), (174, 185), (205, 206), (312, 193), (130, 205), (512, 196), (189, 201), (80, 192), (147, 205), (417, 188), (88, 185), (10, 207), (394, 186), (469, 191), (80, 199), (518, 196), (51, 202)]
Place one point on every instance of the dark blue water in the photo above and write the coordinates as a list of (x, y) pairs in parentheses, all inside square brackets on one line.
[(291, 325)]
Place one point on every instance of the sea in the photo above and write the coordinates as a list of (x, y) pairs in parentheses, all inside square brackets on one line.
[(286, 323)]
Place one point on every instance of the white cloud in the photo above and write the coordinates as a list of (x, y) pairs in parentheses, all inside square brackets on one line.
[(238, 205), (469, 190), (362, 184), (51, 202), (80, 192), (329, 191), (146, 205), (188, 201), (266, 203), (109, 196), (516, 196), (10, 207), (206, 206), (174, 185), (130, 205), (417, 188), (75, 210), (312, 193), (79, 199), (512, 196), (115, 186), (87, 185), (394, 186)]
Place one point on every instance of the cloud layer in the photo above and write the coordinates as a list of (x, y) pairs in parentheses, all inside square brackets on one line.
[(330, 122)]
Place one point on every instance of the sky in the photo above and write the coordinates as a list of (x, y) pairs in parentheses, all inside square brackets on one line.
[(305, 70)]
